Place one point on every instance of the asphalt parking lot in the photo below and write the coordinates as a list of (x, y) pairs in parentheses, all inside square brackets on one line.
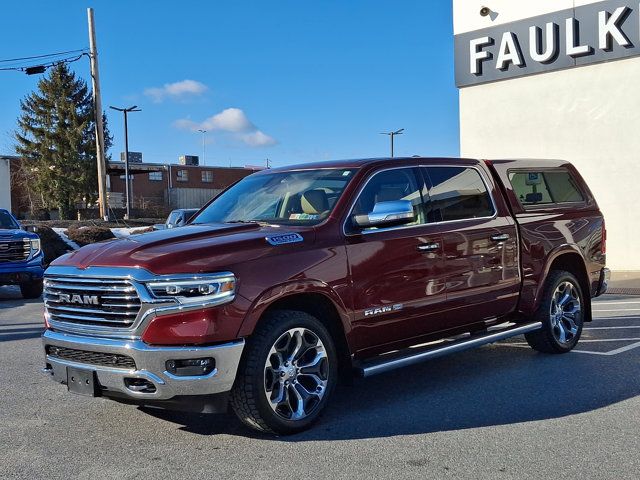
[(502, 411)]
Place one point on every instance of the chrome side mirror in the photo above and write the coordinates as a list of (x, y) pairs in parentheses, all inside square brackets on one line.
[(386, 214)]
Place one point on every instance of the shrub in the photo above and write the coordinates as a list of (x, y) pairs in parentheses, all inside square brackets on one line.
[(86, 235), (52, 245)]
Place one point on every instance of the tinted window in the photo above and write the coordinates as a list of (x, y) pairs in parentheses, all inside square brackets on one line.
[(388, 186), (6, 220), (542, 188), (457, 193)]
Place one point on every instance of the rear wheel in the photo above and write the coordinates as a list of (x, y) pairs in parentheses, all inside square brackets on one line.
[(32, 289), (561, 312), (287, 374)]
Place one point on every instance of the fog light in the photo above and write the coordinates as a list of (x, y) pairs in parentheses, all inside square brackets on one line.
[(191, 366)]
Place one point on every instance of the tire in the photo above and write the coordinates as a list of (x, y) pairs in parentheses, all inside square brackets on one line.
[(31, 290), (561, 312), (265, 373)]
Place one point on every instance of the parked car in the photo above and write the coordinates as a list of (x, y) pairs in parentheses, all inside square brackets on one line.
[(297, 275), (21, 257), (180, 217)]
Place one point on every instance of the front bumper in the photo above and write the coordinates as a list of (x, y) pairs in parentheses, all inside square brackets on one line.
[(14, 273), (150, 364)]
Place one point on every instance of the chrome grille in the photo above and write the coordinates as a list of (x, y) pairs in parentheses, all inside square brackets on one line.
[(14, 250), (91, 301), (93, 358)]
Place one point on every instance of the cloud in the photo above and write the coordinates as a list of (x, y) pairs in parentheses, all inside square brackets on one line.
[(233, 121), (177, 90), (258, 139)]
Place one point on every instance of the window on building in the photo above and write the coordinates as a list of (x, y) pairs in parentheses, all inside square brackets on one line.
[(544, 188), (207, 176), (457, 193), (155, 176), (183, 175)]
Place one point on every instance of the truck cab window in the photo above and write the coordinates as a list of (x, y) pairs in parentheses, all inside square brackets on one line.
[(457, 193)]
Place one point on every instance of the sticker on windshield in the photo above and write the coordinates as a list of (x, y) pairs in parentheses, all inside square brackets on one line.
[(303, 216), (284, 238)]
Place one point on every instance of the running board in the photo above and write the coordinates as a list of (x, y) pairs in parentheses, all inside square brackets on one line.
[(411, 356)]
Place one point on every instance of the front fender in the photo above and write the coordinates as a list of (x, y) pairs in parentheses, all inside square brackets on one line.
[(288, 289)]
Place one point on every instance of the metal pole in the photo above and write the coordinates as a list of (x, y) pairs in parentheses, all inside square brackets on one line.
[(204, 151), (97, 106), (126, 166), (392, 135)]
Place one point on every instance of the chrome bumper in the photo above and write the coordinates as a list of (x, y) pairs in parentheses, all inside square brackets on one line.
[(150, 365)]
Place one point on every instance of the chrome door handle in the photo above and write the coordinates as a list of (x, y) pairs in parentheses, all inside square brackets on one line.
[(500, 238), (429, 247)]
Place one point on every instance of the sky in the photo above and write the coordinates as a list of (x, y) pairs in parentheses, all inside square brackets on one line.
[(291, 81)]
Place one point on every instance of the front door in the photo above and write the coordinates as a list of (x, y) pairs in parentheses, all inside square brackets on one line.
[(398, 272)]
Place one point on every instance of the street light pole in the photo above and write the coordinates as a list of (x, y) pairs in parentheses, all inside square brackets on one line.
[(126, 155), (391, 135), (204, 162)]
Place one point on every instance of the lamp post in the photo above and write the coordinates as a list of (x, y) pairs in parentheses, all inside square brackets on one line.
[(391, 135), (126, 155), (204, 162)]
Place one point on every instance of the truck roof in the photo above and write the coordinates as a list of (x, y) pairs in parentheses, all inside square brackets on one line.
[(361, 162)]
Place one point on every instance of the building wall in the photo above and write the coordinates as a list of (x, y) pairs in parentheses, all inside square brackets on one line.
[(589, 115), (5, 187), (175, 192)]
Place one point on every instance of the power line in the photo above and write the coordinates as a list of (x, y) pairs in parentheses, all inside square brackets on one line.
[(41, 67), (44, 56)]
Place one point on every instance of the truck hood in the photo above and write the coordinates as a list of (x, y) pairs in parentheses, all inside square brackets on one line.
[(189, 249)]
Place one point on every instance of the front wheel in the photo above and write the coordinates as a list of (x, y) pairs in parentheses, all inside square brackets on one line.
[(31, 290), (287, 373), (561, 312)]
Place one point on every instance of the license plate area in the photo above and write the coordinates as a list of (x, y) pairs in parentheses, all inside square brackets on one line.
[(82, 381)]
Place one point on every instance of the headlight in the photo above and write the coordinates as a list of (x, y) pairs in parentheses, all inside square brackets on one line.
[(35, 246), (204, 289)]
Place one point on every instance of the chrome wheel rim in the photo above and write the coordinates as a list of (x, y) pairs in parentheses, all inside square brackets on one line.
[(566, 312), (296, 374)]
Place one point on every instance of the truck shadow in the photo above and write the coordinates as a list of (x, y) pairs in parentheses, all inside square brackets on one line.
[(10, 297), (495, 385)]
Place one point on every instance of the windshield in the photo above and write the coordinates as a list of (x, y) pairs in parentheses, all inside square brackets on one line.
[(284, 198), (7, 221)]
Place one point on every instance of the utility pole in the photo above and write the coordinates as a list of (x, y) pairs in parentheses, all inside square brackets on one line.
[(126, 155), (97, 106), (204, 162), (391, 135)]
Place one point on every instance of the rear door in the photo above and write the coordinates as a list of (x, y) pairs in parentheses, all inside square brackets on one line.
[(480, 245), (398, 272)]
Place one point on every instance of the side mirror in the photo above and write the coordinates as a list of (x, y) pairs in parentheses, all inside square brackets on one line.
[(386, 214), (30, 228)]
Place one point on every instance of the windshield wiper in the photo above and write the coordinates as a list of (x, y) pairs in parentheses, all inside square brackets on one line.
[(257, 222)]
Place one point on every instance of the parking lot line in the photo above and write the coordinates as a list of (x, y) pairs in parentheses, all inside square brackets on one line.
[(618, 310), (611, 352), (628, 302), (611, 328)]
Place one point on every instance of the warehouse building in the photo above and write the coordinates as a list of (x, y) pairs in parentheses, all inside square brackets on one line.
[(557, 79)]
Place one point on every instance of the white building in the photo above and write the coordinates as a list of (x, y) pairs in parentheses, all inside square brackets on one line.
[(558, 79), (5, 188)]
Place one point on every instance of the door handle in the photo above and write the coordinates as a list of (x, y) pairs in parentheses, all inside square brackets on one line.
[(429, 247), (500, 237)]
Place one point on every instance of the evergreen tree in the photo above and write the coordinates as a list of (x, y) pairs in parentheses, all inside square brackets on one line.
[(56, 139)]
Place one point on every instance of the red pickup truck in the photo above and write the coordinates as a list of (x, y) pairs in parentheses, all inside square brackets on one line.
[(295, 276)]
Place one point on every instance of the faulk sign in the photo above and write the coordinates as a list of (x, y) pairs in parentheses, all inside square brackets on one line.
[(588, 34)]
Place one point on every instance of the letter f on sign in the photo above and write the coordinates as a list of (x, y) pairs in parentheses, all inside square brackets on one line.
[(477, 55)]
